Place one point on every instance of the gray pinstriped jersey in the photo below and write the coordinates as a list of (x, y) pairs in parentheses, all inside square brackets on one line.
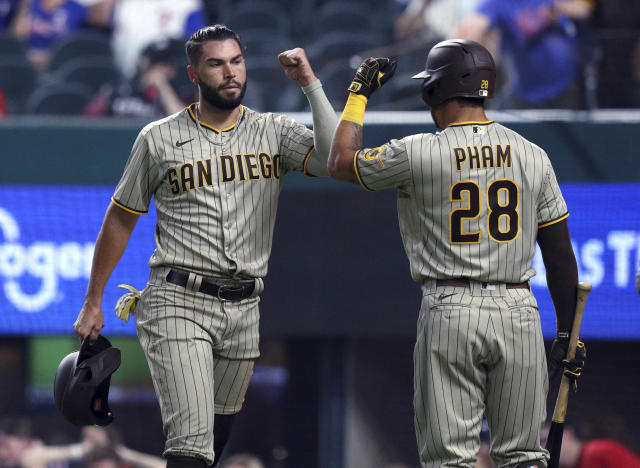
[(215, 193), (470, 199)]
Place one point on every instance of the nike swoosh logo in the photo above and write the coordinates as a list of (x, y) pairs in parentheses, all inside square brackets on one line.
[(444, 296), (181, 143)]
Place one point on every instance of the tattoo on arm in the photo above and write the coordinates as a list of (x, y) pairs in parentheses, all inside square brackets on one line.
[(356, 142)]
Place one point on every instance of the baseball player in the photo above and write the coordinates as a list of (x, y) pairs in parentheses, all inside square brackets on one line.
[(472, 201), (215, 171)]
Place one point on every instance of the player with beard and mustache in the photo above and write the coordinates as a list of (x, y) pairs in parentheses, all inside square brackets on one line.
[(215, 171)]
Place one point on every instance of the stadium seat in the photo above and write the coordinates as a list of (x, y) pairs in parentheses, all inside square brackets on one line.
[(91, 72), (17, 80), (339, 45), (85, 44), (259, 17), (260, 46), (342, 17), (336, 77), (9, 45), (59, 99)]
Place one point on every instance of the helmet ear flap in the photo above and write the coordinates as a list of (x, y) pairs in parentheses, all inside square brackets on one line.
[(429, 90)]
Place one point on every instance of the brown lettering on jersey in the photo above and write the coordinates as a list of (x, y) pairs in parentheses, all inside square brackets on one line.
[(241, 175), (186, 174), (265, 165), (483, 158), (172, 175), (460, 157), (204, 175), (474, 155), (504, 156), (252, 166), (276, 166), (487, 156), (227, 168)]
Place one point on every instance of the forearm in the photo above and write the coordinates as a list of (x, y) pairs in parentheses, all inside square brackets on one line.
[(324, 124), (110, 245), (169, 98), (347, 139), (562, 272), (40, 457)]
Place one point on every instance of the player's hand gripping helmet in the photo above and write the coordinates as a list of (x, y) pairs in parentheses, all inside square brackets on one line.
[(457, 68), (81, 385)]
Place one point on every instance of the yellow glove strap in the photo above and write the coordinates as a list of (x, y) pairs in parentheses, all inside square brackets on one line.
[(354, 108)]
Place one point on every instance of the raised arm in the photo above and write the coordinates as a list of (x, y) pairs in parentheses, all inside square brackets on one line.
[(347, 140), (297, 68), (110, 245)]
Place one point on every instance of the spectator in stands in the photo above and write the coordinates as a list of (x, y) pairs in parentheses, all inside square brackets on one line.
[(546, 43), (137, 23), (432, 20), (150, 94), (99, 448), (8, 13), (597, 453), (45, 23)]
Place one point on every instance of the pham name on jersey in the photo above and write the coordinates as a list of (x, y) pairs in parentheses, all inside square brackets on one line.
[(483, 157)]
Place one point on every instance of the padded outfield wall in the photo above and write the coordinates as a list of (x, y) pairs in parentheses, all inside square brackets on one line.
[(338, 265)]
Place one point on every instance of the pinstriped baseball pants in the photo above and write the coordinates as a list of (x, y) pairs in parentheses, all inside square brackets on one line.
[(200, 353), (479, 351)]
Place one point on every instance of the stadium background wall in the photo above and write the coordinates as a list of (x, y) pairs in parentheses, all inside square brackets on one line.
[(346, 397)]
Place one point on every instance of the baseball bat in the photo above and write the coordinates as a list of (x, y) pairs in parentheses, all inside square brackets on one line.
[(554, 439)]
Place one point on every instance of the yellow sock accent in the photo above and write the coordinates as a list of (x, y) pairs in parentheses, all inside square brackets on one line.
[(354, 108)]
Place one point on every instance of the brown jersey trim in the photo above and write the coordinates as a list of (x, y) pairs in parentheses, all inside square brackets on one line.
[(130, 210), (306, 161), (355, 168), (557, 220), (460, 124), (192, 114)]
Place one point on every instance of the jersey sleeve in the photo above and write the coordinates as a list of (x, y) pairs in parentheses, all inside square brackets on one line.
[(384, 166), (137, 184), (551, 206), (296, 145)]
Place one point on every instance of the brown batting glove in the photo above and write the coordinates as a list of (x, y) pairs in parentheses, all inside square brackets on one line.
[(371, 75), (558, 359)]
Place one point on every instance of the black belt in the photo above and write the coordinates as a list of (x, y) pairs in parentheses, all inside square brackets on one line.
[(464, 283), (224, 292)]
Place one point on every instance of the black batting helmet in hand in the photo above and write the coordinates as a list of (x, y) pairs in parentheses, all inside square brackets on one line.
[(81, 385), (457, 68)]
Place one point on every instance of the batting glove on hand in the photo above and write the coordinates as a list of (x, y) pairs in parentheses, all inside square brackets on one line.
[(126, 305), (371, 75), (558, 359)]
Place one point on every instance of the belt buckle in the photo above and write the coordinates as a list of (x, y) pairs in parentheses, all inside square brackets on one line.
[(228, 288)]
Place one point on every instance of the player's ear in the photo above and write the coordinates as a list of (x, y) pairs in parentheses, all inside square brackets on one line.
[(192, 75)]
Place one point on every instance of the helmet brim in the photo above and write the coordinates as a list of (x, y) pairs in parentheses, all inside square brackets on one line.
[(421, 75)]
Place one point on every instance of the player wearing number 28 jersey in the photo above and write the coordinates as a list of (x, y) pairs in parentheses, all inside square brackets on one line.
[(472, 201)]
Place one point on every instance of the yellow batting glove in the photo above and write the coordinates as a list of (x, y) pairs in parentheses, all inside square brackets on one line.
[(126, 305)]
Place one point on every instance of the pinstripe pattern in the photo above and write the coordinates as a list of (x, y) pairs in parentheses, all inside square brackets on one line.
[(216, 195), (423, 168), (470, 201)]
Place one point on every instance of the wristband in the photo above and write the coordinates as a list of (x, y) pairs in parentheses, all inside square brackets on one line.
[(354, 108)]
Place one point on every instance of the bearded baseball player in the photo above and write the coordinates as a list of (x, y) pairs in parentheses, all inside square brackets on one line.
[(472, 201), (215, 171)]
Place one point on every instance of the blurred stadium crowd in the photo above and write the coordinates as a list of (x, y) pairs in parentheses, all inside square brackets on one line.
[(125, 58)]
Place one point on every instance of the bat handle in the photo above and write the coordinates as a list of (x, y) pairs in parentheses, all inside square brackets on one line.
[(560, 410)]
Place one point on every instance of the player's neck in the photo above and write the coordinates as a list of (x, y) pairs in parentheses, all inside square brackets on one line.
[(215, 117), (454, 113)]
